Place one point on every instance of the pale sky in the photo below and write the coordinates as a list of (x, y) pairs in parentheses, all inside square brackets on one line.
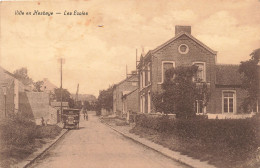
[(95, 57)]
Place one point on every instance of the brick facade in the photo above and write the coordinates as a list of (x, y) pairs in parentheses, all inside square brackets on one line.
[(219, 78)]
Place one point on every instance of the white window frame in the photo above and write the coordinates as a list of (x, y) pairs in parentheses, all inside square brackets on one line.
[(234, 102), (149, 102), (204, 73), (141, 104), (143, 80), (162, 79), (204, 110), (149, 74)]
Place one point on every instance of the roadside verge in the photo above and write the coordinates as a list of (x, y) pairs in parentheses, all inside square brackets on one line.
[(40, 151), (177, 156)]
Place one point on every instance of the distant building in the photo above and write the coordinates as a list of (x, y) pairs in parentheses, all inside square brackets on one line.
[(10, 87), (125, 86), (47, 86), (224, 81)]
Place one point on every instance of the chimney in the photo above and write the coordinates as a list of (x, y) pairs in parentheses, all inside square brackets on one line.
[(181, 29)]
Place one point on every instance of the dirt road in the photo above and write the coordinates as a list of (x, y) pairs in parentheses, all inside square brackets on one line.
[(95, 145)]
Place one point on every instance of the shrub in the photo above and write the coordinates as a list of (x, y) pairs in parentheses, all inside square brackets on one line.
[(18, 138), (236, 134), (17, 131), (49, 131)]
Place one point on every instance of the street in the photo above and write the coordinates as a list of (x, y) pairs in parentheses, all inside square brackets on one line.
[(95, 145)]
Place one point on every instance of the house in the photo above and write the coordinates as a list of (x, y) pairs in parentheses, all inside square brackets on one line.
[(224, 81), (16, 98), (10, 87), (130, 102), (125, 86), (47, 86)]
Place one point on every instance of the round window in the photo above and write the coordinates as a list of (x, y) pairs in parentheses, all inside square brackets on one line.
[(183, 49)]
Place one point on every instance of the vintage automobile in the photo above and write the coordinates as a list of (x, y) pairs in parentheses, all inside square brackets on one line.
[(70, 118)]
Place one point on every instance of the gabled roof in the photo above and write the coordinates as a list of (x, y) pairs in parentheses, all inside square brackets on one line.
[(228, 75), (47, 85), (179, 35), (129, 77)]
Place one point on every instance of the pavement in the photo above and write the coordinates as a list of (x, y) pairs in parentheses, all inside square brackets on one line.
[(177, 156), (95, 145)]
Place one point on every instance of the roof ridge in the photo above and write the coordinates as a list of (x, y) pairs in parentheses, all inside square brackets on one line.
[(179, 35), (132, 75)]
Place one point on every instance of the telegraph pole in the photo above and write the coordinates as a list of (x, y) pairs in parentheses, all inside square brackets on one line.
[(61, 87), (61, 111)]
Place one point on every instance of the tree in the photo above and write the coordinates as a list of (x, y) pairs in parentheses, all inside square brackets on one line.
[(157, 101), (181, 91), (22, 75), (65, 96), (105, 99), (37, 86), (250, 81)]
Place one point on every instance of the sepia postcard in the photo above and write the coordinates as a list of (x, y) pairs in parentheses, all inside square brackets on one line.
[(129, 83)]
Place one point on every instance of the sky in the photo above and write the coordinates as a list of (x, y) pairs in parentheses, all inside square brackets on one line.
[(98, 46)]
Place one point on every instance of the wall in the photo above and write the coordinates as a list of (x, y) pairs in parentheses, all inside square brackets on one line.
[(132, 102), (240, 95), (170, 53), (34, 105)]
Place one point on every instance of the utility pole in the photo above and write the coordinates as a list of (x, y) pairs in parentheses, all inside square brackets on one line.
[(61, 87), (61, 111)]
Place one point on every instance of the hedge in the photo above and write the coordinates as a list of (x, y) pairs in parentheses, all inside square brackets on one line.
[(235, 133)]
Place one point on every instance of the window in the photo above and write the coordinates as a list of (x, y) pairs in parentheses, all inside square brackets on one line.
[(199, 107), (229, 101), (141, 104), (141, 80), (143, 76), (183, 49), (201, 73), (165, 66), (149, 74), (149, 102)]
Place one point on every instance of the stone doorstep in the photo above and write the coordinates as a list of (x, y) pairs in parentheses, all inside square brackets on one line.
[(31, 158), (195, 163)]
